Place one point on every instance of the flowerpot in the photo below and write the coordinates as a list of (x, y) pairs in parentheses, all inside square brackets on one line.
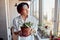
[(51, 37), (26, 31)]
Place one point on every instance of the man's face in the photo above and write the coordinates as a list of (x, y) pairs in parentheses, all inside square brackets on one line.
[(25, 10)]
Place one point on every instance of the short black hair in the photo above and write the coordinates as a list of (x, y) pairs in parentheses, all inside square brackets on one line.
[(20, 6)]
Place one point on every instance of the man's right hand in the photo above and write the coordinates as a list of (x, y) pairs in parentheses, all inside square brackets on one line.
[(19, 33), (16, 33)]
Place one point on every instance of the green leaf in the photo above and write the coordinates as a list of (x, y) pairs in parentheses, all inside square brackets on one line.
[(27, 24)]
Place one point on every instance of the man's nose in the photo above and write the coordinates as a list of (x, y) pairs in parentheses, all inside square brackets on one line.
[(27, 10)]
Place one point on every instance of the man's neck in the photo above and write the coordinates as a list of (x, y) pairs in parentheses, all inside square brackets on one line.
[(24, 17)]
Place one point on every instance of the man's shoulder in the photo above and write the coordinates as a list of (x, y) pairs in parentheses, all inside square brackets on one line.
[(33, 18), (16, 18)]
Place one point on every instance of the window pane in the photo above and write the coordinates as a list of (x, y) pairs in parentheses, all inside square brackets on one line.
[(59, 25), (48, 7), (59, 17), (36, 8)]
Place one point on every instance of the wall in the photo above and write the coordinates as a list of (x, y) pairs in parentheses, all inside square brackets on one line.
[(3, 28)]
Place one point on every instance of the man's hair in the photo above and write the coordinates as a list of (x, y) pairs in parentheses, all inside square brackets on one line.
[(20, 6)]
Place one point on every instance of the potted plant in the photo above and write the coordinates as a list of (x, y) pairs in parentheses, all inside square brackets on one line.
[(26, 29)]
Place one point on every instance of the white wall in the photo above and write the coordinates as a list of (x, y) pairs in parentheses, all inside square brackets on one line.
[(3, 28)]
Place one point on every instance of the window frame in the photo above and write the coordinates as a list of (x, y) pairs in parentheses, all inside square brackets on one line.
[(55, 29)]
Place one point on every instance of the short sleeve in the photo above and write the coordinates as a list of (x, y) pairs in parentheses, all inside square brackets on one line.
[(15, 25), (35, 25)]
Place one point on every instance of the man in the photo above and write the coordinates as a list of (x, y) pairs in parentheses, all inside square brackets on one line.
[(23, 10)]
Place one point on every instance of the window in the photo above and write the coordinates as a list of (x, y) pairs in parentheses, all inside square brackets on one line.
[(35, 8), (48, 7), (58, 17)]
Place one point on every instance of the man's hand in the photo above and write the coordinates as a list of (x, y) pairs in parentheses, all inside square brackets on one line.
[(18, 33), (33, 31)]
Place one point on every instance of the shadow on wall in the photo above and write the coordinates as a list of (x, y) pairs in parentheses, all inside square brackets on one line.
[(1, 38)]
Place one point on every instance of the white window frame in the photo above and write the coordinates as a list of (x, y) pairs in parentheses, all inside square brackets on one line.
[(55, 29), (40, 11), (56, 18)]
